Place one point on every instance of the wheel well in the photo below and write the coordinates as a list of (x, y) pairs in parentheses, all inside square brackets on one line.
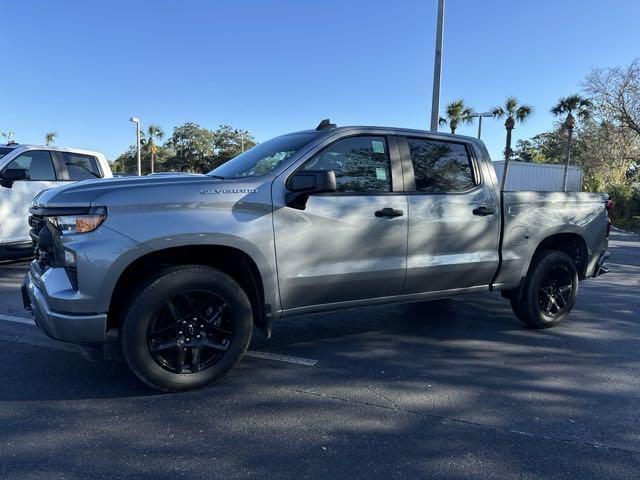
[(235, 263), (570, 243)]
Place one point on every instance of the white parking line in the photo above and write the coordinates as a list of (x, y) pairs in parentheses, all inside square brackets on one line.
[(282, 358), (250, 353), (9, 318)]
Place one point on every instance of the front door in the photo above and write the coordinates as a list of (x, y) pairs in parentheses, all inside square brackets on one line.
[(16, 201), (338, 249)]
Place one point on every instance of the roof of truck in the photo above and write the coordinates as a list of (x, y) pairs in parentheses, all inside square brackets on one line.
[(26, 146), (390, 131)]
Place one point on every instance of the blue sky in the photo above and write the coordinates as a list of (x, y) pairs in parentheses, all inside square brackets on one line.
[(83, 68)]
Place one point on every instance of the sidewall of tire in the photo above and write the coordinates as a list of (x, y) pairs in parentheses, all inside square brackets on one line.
[(527, 308), (166, 285)]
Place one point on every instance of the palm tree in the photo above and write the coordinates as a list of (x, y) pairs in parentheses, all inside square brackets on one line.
[(49, 138), (582, 108), (514, 113), (154, 132), (9, 137), (455, 114)]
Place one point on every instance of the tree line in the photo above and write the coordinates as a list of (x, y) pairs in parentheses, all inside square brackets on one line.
[(597, 129), (190, 148)]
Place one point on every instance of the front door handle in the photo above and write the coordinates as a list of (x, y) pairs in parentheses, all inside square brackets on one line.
[(483, 211), (389, 213)]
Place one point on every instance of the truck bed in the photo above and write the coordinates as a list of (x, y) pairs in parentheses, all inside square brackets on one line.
[(530, 217)]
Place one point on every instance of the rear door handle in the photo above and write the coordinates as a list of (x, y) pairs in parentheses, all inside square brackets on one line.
[(483, 211), (389, 213)]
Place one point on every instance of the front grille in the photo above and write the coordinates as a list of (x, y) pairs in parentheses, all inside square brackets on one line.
[(42, 251), (36, 223)]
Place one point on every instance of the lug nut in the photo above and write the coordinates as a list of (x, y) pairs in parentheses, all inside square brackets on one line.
[(180, 332), (198, 336)]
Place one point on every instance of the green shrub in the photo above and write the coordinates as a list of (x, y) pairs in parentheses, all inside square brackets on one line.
[(626, 200)]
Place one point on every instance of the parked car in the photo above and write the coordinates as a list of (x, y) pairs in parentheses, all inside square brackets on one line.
[(26, 170), (178, 269)]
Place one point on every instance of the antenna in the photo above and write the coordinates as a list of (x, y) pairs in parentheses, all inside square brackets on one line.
[(325, 125)]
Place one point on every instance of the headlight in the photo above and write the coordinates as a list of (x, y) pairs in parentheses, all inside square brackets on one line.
[(68, 224)]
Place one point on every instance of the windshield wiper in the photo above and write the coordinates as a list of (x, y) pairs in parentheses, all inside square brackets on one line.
[(217, 176)]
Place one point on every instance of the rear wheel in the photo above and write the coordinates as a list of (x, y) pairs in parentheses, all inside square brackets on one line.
[(549, 291), (186, 327)]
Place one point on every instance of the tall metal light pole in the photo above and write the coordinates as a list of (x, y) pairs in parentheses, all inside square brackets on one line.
[(437, 67), (136, 120), (479, 117)]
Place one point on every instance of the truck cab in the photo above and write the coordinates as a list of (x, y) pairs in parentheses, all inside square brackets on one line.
[(25, 171)]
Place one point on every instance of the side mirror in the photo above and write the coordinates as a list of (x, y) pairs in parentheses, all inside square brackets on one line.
[(10, 175), (305, 183)]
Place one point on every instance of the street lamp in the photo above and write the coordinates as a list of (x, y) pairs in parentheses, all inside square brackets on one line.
[(479, 117), (136, 120), (437, 65)]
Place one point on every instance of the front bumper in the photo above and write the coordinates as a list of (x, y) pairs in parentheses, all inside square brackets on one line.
[(73, 328)]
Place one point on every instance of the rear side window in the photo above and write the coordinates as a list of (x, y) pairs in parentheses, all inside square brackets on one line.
[(38, 162), (441, 166), (81, 167), (361, 164)]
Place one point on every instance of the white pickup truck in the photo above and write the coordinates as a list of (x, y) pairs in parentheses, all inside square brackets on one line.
[(25, 171)]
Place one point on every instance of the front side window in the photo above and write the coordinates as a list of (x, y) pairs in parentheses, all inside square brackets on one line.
[(81, 167), (361, 164), (440, 166), (37, 162)]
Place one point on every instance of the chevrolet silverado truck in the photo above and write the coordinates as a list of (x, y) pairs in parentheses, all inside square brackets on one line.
[(175, 271)]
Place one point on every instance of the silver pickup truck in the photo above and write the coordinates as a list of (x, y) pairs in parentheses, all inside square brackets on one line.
[(176, 270)]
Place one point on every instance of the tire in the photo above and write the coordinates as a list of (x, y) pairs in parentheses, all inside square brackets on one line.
[(549, 291), (185, 327)]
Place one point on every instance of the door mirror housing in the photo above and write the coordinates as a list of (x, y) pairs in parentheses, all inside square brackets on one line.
[(306, 183), (10, 175)]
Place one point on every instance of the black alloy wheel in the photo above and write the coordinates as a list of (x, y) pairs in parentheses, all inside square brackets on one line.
[(555, 291), (189, 332), (185, 327), (549, 290)]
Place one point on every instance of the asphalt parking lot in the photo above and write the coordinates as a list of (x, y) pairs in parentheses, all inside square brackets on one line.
[(449, 389)]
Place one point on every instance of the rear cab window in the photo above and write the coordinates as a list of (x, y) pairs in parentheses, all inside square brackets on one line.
[(81, 166)]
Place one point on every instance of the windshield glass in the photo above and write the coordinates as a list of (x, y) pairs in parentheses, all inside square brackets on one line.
[(264, 157), (4, 151)]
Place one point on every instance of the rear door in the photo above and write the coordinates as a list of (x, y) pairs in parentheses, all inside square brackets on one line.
[(338, 249), (454, 221), (15, 201)]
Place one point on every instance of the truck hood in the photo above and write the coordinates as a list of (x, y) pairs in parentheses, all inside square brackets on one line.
[(137, 189)]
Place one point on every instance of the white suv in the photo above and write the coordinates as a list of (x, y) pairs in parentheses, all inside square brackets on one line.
[(26, 170)]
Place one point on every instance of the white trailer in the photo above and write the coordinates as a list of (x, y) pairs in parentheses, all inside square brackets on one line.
[(542, 177)]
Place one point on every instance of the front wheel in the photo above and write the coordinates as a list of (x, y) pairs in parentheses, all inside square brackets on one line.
[(549, 291), (186, 327)]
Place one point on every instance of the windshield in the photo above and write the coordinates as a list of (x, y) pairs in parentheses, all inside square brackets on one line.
[(4, 151), (264, 157)]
